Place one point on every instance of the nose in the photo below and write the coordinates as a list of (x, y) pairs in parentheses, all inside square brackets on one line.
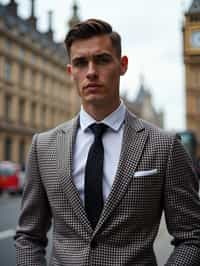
[(92, 71)]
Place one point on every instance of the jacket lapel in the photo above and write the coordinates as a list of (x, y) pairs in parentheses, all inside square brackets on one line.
[(65, 141), (133, 142)]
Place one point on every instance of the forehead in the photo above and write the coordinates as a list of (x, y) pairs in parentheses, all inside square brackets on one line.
[(91, 46)]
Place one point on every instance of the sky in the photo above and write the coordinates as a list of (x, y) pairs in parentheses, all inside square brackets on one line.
[(151, 34)]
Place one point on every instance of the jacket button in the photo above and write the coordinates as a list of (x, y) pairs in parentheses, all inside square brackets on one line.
[(93, 244)]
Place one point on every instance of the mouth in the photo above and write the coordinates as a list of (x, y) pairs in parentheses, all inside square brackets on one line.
[(92, 87)]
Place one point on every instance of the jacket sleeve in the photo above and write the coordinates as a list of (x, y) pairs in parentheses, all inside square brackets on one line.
[(35, 216), (182, 207)]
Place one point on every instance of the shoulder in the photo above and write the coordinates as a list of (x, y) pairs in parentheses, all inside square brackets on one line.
[(155, 134), (49, 136)]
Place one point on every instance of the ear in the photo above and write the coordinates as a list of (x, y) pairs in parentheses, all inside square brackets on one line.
[(124, 65), (69, 69)]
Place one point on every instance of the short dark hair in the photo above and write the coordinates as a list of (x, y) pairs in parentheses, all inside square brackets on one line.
[(90, 28)]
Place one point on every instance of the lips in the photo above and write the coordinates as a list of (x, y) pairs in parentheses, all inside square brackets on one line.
[(92, 88), (92, 85)]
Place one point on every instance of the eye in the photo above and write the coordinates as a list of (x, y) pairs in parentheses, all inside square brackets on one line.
[(80, 62), (103, 59)]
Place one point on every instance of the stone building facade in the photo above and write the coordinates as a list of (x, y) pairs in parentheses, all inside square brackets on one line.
[(35, 92)]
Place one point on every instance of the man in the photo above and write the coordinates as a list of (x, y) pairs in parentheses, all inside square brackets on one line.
[(106, 210)]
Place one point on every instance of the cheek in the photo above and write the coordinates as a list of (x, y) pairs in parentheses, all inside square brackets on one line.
[(112, 77), (112, 72), (77, 78), (79, 82)]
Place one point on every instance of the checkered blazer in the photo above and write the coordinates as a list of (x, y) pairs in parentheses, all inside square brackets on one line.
[(130, 219)]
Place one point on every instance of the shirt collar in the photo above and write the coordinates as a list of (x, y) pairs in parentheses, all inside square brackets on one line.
[(113, 120)]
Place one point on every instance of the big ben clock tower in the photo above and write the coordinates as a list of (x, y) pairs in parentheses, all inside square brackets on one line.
[(191, 43)]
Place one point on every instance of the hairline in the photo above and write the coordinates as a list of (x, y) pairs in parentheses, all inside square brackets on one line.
[(97, 35)]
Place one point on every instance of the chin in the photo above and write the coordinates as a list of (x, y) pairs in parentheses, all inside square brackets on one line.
[(94, 98)]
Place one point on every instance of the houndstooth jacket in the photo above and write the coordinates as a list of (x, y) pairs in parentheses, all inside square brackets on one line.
[(130, 219)]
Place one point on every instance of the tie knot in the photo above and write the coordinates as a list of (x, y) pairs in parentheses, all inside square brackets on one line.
[(98, 129)]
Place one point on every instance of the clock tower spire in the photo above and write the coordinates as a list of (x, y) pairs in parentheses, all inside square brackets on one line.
[(75, 18), (195, 7), (191, 53)]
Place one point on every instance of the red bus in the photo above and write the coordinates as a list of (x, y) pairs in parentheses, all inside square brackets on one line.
[(10, 180)]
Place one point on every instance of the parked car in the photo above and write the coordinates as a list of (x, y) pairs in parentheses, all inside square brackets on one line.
[(11, 178)]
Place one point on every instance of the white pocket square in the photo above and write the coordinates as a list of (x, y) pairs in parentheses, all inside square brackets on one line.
[(146, 172)]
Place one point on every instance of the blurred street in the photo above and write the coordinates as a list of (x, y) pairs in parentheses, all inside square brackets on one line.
[(9, 211)]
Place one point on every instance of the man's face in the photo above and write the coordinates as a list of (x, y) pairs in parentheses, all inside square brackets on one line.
[(96, 69)]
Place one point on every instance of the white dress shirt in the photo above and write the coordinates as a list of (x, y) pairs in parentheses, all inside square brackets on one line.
[(112, 142)]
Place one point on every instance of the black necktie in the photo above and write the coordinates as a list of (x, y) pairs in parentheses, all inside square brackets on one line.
[(93, 176)]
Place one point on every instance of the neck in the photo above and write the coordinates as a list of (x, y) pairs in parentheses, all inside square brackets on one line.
[(100, 112)]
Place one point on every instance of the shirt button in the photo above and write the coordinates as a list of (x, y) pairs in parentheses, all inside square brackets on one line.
[(93, 244)]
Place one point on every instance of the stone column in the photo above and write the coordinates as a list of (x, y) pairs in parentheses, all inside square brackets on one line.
[(15, 109), (15, 149), (2, 141), (2, 101), (38, 116), (27, 113)]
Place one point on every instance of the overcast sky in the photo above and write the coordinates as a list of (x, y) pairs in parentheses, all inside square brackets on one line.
[(151, 37)]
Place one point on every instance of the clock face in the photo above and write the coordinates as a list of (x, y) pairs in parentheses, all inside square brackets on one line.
[(195, 39)]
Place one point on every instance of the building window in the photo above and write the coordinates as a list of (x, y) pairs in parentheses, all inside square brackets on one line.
[(7, 70), (52, 87), (21, 54), (8, 149), (43, 84), (22, 75), (22, 152), (21, 110), (8, 105), (33, 114), (32, 79), (33, 59), (8, 45)]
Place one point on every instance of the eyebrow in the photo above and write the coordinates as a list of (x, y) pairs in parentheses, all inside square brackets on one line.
[(78, 58), (102, 55), (95, 55)]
